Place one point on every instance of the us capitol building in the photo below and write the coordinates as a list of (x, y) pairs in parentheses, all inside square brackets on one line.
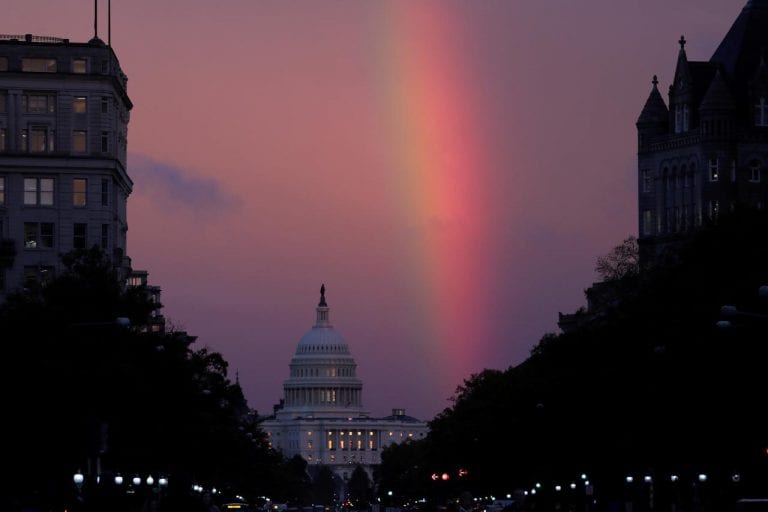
[(321, 416)]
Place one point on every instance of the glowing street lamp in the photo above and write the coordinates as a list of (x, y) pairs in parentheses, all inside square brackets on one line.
[(118, 479), (78, 479)]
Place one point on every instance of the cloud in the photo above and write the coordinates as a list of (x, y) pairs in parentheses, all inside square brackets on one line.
[(174, 188)]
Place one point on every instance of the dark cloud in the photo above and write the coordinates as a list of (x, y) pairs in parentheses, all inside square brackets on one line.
[(175, 188)]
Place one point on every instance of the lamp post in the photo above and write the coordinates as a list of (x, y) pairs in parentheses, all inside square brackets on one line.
[(79, 479)]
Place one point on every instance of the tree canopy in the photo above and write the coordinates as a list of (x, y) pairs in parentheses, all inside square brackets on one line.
[(86, 392), (649, 386)]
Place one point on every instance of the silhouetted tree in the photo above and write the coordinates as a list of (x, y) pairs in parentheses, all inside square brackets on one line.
[(359, 487), (82, 389), (324, 487), (621, 262)]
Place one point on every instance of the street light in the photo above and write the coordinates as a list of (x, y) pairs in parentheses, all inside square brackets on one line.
[(78, 479), (118, 479)]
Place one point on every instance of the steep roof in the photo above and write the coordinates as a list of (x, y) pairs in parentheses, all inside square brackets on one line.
[(655, 110), (739, 53), (718, 97)]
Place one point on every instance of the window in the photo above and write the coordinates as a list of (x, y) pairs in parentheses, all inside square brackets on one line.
[(2, 192), (79, 237), (714, 169), (104, 105), (714, 209), (104, 142), (79, 141), (647, 181), (3, 136), (105, 236), (38, 191), (761, 112), (37, 275), (79, 192), (38, 140), (754, 172), (733, 171), (38, 235), (3, 102), (682, 118), (79, 104), (38, 65), (79, 66), (3, 63), (647, 223), (38, 103), (104, 67)]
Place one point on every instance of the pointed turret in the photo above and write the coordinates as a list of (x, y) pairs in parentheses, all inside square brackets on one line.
[(655, 110), (654, 119)]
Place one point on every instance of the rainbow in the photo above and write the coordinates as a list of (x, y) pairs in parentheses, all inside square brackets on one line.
[(439, 161)]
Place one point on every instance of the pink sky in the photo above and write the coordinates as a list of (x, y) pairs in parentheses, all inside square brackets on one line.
[(450, 169)]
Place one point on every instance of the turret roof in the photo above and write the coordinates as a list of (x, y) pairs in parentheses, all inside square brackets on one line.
[(655, 110)]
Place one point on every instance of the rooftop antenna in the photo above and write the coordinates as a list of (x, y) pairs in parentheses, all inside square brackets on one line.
[(95, 19), (109, 23)]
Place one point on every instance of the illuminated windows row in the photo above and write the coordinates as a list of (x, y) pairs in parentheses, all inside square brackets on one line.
[(40, 191), (42, 235), (42, 139), (49, 65)]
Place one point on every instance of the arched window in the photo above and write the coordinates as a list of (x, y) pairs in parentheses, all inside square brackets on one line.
[(754, 171), (761, 112)]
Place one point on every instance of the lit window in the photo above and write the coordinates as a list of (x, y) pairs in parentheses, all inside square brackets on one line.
[(3, 136), (38, 235), (38, 191), (761, 112), (79, 66), (79, 141), (754, 172), (38, 65), (38, 103), (79, 192), (3, 63), (79, 237), (714, 169), (79, 104), (309, 444), (38, 140), (2, 191)]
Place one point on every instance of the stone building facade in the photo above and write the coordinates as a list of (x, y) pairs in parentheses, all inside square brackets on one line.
[(64, 112), (704, 153)]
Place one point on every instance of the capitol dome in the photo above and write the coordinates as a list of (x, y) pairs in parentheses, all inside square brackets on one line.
[(323, 380)]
